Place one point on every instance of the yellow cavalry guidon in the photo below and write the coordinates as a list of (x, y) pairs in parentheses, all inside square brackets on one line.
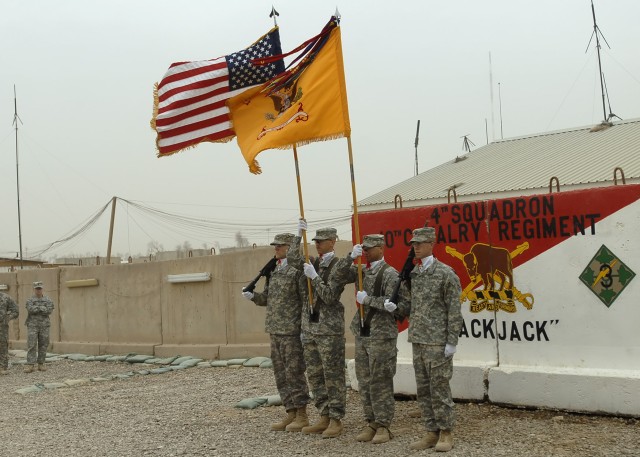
[(492, 267)]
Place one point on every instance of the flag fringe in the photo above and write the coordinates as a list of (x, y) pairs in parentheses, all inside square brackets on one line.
[(156, 101), (254, 167)]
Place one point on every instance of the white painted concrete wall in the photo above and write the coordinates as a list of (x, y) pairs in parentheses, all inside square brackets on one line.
[(584, 356)]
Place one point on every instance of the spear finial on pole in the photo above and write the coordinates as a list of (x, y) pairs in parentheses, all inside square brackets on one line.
[(337, 15), (273, 14)]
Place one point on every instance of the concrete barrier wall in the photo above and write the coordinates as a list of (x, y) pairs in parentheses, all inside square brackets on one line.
[(133, 308), (550, 296)]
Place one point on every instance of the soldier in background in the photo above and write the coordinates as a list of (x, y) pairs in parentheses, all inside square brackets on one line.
[(39, 307), (434, 326), (283, 298), (323, 333), (8, 311), (376, 353)]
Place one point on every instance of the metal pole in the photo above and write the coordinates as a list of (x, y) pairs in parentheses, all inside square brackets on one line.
[(113, 217), (15, 121), (416, 145), (595, 31)]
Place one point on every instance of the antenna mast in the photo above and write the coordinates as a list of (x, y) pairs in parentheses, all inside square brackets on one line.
[(16, 118), (416, 146), (597, 33)]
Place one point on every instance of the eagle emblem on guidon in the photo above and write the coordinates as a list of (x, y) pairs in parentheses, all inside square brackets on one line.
[(491, 266), (283, 99)]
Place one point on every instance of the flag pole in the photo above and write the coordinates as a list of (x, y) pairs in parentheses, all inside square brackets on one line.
[(304, 232), (356, 225)]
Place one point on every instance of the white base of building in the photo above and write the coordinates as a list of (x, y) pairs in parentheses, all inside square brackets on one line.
[(583, 390)]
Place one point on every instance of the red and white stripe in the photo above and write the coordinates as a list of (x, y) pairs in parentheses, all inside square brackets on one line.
[(190, 105)]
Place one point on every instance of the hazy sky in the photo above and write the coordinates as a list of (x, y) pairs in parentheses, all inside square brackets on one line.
[(84, 73)]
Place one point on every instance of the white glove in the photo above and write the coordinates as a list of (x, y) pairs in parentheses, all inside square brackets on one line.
[(246, 294), (309, 271), (356, 251), (390, 306), (360, 296), (449, 350), (302, 225)]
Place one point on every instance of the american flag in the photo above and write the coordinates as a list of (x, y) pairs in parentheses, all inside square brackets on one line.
[(189, 101)]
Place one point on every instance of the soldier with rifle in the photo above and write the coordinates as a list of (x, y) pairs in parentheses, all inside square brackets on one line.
[(323, 332), (435, 320), (282, 295), (376, 337)]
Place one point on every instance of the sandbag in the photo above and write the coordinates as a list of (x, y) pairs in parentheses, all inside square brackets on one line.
[(251, 403), (179, 360), (255, 361), (140, 358), (235, 362), (190, 363)]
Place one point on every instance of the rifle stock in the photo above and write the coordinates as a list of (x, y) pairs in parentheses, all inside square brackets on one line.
[(405, 275), (265, 271)]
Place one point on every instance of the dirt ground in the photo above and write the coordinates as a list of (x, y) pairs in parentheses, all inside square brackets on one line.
[(191, 413)]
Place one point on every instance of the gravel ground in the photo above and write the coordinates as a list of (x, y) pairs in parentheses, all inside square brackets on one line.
[(191, 413)]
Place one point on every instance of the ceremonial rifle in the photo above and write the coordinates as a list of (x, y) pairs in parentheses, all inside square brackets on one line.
[(266, 272), (403, 276)]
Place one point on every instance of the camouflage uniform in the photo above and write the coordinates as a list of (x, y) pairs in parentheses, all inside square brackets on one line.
[(323, 340), (435, 320), (282, 297), (8, 311), (38, 325), (376, 355)]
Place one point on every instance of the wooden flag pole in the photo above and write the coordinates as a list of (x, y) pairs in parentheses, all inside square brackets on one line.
[(356, 226), (304, 232)]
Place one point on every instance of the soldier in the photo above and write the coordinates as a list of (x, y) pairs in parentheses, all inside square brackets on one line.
[(39, 307), (323, 333), (283, 298), (376, 352), (8, 311), (434, 327)]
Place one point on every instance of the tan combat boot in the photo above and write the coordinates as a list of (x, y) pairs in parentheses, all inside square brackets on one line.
[(4, 372), (300, 421), (415, 413), (383, 435), (367, 433), (427, 441), (280, 426), (318, 427), (445, 443), (334, 429), (28, 368), (41, 367)]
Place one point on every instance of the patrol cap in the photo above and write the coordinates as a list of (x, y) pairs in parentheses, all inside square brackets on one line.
[(37, 285), (283, 238), (326, 234), (372, 241), (421, 235)]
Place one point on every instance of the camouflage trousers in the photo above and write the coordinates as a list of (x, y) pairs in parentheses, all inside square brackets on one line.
[(433, 373), (375, 369), (288, 367), (324, 355), (37, 343), (4, 346)]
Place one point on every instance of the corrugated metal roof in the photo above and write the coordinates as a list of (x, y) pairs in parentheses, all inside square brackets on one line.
[(524, 164)]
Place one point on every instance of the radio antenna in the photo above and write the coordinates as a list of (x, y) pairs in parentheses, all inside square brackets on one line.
[(416, 146)]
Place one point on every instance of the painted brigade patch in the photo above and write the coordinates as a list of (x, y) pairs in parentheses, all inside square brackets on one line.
[(606, 276), (491, 266)]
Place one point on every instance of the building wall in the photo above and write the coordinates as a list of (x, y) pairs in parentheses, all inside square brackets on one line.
[(134, 309)]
